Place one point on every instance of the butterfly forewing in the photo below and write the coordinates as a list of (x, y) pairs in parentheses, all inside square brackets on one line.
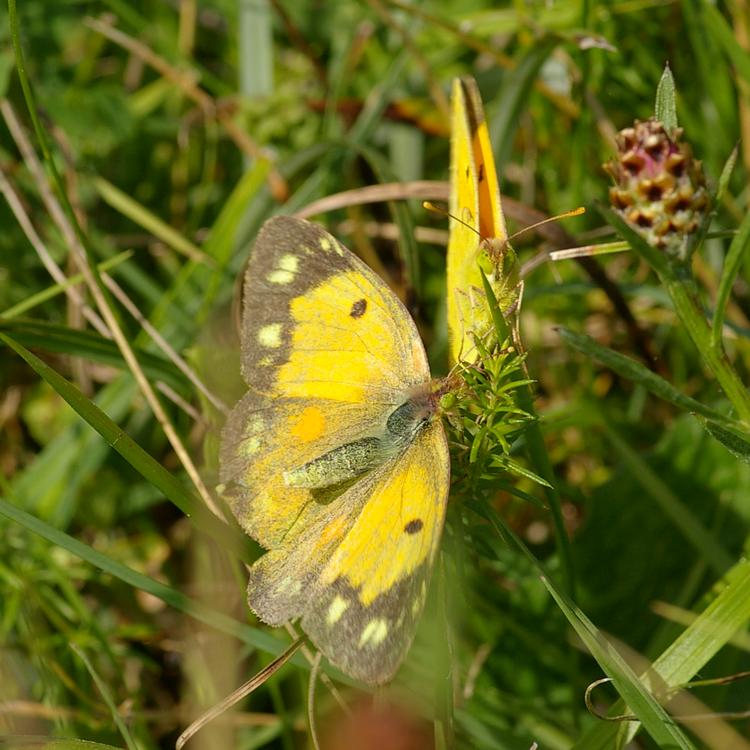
[(475, 199)]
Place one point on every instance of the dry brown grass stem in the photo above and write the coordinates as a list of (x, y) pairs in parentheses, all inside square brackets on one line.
[(112, 324), (187, 83)]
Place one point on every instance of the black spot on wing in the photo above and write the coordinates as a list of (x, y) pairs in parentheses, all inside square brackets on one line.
[(358, 308), (480, 176), (414, 526)]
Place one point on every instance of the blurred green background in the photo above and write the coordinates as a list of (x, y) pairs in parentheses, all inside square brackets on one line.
[(178, 127)]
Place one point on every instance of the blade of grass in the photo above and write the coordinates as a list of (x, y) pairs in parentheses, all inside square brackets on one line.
[(732, 265), (107, 696), (82, 250), (227, 536), (79, 343), (52, 291), (692, 650), (634, 692), (247, 634), (734, 440), (147, 220), (636, 372)]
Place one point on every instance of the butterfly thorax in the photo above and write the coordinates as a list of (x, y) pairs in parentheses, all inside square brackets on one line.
[(350, 460)]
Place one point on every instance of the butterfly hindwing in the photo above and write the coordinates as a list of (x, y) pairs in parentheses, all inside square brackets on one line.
[(372, 590)]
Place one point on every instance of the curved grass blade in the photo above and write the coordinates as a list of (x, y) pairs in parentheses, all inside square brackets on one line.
[(142, 462), (692, 650), (89, 345), (636, 372), (247, 634), (634, 692)]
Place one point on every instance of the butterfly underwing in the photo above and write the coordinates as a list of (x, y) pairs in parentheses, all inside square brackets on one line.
[(335, 460)]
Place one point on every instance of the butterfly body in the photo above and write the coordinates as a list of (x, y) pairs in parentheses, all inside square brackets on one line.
[(336, 459)]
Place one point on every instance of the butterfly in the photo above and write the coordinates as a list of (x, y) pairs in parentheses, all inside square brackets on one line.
[(335, 460), (478, 237)]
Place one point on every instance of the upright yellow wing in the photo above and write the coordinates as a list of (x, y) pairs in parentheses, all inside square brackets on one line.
[(479, 239), (336, 443)]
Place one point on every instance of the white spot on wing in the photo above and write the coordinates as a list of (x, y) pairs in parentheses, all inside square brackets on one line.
[(280, 277), (374, 633), (337, 608), (285, 270), (289, 263), (270, 336)]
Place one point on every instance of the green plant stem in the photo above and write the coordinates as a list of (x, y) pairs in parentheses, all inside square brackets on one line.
[(688, 308)]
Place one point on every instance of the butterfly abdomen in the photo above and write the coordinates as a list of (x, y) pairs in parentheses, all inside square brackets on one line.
[(338, 465)]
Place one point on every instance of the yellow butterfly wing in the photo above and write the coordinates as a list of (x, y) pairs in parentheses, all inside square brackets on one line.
[(374, 586), (475, 200), (330, 355)]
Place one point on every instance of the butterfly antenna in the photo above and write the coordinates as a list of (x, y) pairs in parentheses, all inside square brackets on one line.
[(311, 700), (237, 695), (436, 209), (565, 215)]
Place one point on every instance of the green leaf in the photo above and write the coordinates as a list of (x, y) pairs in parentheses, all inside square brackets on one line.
[(502, 330), (54, 289), (252, 636), (665, 107), (638, 373), (631, 687), (734, 440), (142, 462), (732, 265), (691, 651), (89, 345), (146, 219)]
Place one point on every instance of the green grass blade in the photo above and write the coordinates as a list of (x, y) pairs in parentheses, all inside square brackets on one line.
[(734, 440), (52, 291), (81, 343), (252, 636), (147, 220), (633, 370), (141, 461), (732, 265), (656, 721), (693, 649), (107, 696)]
